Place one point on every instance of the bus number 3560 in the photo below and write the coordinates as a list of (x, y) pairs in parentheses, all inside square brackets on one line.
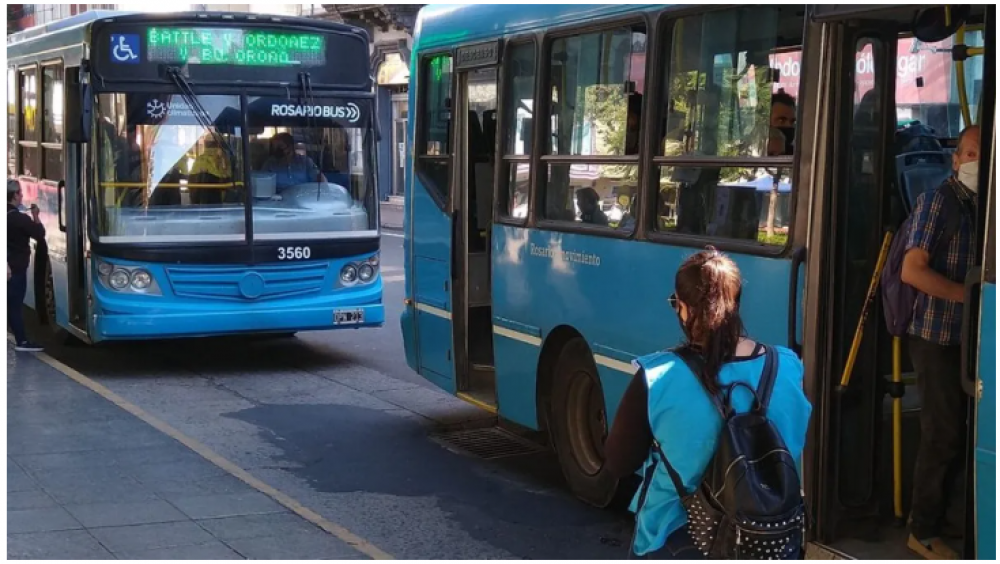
[(294, 253)]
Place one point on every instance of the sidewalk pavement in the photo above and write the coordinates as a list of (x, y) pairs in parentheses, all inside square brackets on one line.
[(88, 480)]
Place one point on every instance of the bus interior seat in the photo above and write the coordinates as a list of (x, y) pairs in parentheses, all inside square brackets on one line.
[(921, 172)]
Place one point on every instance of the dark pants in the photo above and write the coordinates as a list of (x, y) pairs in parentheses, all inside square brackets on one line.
[(679, 546), (17, 287), (943, 436)]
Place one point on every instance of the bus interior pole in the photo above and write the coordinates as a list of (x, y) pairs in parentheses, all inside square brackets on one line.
[(859, 332), (897, 428)]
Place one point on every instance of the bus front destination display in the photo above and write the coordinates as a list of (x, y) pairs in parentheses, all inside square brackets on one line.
[(234, 46)]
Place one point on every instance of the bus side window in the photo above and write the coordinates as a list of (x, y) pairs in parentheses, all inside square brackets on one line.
[(52, 122), (723, 100), (28, 137), (434, 148), (596, 84), (518, 111)]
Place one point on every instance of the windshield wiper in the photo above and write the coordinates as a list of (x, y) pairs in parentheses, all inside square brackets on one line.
[(201, 114)]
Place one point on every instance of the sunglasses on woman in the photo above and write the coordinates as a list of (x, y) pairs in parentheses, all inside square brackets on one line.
[(674, 301)]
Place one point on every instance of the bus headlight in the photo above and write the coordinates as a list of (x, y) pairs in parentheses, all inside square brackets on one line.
[(119, 279), (141, 279), (349, 274), (366, 272), (105, 269), (374, 260)]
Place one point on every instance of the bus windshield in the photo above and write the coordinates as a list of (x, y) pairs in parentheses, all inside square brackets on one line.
[(163, 176), (311, 170), (166, 175)]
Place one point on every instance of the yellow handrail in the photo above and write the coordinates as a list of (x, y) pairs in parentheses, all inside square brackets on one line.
[(169, 185), (852, 357), (897, 429)]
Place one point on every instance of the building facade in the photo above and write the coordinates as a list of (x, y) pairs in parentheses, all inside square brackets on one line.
[(390, 27)]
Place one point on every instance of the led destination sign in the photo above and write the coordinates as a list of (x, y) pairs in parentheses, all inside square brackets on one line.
[(234, 46)]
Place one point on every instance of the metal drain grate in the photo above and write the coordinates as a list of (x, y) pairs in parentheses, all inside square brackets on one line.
[(489, 443)]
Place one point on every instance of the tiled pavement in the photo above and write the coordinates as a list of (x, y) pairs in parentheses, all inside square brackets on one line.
[(88, 480)]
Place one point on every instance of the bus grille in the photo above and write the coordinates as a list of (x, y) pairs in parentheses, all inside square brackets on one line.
[(247, 284)]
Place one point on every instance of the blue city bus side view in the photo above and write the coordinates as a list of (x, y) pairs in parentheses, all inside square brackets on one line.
[(197, 174), (567, 159)]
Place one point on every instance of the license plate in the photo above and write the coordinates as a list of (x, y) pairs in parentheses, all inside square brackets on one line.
[(349, 317)]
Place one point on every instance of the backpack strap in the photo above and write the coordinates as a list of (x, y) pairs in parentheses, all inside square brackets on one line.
[(767, 378), (674, 476), (953, 210)]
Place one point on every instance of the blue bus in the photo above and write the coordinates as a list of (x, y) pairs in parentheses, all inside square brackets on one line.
[(197, 173), (568, 158)]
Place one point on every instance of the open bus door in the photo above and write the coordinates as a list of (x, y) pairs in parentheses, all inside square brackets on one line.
[(449, 222), (429, 224), (863, 453)]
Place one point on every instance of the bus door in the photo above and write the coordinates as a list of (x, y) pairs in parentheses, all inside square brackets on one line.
[(862, 92), (979, 367), (72, 200), (881, 79), (472, 197), (429, 223)]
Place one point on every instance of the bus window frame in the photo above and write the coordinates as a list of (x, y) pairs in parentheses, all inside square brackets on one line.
[(42, 143), (21, 143), (15, 133), (443, 201), (541, 156), (501, 197), (662, 42)]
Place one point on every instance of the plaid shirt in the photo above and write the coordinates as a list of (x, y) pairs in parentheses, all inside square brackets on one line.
[(935, 319)]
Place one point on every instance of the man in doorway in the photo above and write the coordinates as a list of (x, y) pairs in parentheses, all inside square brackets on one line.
[(20, 229), (935, 341), (783, 120)]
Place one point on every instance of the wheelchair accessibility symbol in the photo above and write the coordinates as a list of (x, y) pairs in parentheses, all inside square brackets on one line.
[(125, 48)]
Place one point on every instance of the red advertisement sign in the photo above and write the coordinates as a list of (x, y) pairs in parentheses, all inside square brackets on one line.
[(923, 74)]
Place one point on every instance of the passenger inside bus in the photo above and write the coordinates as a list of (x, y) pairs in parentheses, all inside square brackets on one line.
[(783, 119), (590, 207), (211, 167), (289, 167), (935, 341)]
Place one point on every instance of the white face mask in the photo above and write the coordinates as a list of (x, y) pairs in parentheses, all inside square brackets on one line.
[(968, 174)]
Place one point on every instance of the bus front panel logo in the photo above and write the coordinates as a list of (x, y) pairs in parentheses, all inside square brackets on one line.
[(125, 48)]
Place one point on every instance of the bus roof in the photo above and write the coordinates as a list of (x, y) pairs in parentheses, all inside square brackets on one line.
[(440, 25)]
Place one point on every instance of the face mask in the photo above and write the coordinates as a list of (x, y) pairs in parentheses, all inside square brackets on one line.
[(968, 174), (789, 133)]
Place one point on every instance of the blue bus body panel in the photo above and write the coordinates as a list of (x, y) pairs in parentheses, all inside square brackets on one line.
[(202, 300), (614, 294), (986, 433)]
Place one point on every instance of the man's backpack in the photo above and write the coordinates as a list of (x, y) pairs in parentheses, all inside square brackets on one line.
[(899, 298), (749, 504)]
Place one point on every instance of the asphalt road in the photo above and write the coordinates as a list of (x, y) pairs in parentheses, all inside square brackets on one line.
[(338, 422)]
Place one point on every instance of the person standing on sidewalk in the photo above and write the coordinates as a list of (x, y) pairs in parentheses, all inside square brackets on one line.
[(936, 341), (20, 230)]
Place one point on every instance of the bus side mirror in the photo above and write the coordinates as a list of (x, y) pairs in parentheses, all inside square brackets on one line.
[(79, 107)]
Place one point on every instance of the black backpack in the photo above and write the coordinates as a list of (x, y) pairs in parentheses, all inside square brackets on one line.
[(749, 505)]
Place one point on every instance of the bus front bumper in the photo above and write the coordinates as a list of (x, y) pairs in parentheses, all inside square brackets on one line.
[(165, 325)]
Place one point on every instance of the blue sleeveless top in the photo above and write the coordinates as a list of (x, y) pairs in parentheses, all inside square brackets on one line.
[(687, 425)]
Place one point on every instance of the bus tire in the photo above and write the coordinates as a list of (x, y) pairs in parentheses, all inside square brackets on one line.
[(579, 426)]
